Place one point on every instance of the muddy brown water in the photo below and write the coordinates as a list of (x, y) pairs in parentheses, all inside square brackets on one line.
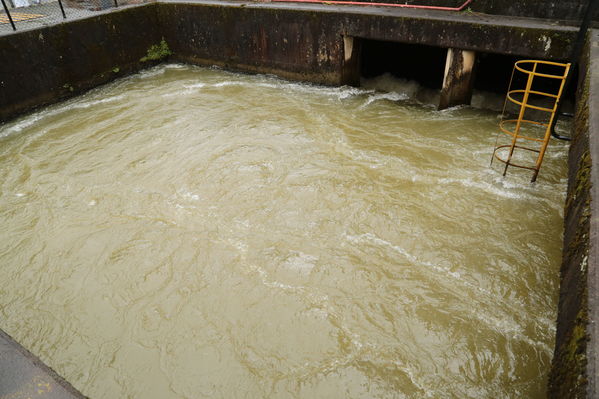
[(190, 233)]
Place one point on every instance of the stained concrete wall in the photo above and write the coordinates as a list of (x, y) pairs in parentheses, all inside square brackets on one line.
[(45, 65), (303, 42), (574, 368), (306, 42), (568, 10), (592, 283)]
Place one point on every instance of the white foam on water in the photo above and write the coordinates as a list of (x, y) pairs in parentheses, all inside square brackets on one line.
[(274, 284), (189, 195), (416, 92), (97, 102), (305, 88), (512, 187), (175, 66), (370, 237), (341, 93), (196, 86), (505, 325), (149, 73), (391, 96), (409, 88), (226, 83), (300, 262), (486, 186), (453, 109), (511, 328), (389, 83), (30, 120), (241, 246), (417, 383)]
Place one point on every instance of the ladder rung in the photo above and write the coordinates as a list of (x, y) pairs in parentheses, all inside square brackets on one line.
[(504, 125), (515, 121), (528, 105)]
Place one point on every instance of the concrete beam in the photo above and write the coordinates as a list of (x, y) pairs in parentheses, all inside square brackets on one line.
[(458, 81)]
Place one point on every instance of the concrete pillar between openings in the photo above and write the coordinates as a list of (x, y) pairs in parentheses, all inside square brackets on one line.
[(459, 78), (348, 47), (350, 68)]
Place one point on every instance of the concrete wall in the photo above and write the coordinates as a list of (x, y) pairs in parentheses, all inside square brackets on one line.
[(572, 10), (45, 65), (569, 10), (298, 42), (306, 43), (592, 283), (574, 368)]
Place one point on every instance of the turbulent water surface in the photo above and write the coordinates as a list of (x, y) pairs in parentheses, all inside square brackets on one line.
[(193, 233)]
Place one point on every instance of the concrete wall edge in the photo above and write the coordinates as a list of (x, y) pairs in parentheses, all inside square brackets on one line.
[(592, 351)]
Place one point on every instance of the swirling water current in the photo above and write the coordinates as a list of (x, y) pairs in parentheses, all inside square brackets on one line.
[(193, 233)]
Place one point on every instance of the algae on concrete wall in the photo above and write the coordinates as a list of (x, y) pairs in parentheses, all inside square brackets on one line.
[(157, 52)]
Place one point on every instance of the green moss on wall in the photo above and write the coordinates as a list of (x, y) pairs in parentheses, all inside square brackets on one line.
[(569, 379), (157, 52)]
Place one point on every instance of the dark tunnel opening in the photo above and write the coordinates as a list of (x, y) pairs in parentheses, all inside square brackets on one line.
[(425, 65), (494, 71), (420, 63)]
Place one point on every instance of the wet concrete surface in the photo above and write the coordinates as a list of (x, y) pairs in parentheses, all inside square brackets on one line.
[(24, 376)]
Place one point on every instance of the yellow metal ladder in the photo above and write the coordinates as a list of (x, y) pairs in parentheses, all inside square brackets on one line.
[(529, 100)]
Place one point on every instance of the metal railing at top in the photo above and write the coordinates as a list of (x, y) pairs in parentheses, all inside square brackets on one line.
[(21, 14)]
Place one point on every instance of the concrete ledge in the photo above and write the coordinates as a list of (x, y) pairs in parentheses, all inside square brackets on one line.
[(23, 376)]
